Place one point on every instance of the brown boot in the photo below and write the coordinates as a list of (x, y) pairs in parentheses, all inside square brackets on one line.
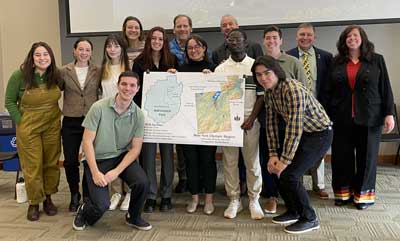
[(48, 206), (33, 212)]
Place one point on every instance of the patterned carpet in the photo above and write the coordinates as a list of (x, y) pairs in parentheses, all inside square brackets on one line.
[(379, 222)]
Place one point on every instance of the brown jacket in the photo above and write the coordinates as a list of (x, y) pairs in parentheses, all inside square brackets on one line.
[(77, 102)]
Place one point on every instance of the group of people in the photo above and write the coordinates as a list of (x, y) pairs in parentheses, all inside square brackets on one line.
[(297, 105)]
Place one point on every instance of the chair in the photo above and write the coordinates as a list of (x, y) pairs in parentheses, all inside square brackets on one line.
[(5, 156), (394, 137)]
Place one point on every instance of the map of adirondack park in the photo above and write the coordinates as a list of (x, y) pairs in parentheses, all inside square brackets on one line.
[(164, 99), (213, 108), (193, 108)]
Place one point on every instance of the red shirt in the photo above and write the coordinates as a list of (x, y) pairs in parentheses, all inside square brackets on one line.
[(352, 70)]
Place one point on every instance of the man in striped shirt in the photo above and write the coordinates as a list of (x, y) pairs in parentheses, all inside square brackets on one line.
[(308, 136)]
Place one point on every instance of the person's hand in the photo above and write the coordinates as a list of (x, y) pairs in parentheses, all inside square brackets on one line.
[(172, 71), (111, 175), (279, 168), (388, 123), (99, 179), (206, 71), (247, 124), (272, 163)]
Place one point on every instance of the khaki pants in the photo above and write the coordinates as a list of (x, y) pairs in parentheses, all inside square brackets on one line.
[(251, 161)]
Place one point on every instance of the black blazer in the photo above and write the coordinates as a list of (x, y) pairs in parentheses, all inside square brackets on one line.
[(373, 97), (324, 60)]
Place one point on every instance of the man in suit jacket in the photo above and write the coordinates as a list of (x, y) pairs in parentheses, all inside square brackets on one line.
[(318, 71)]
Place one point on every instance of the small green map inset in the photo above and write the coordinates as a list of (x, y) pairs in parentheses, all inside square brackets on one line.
[(213, 108), (163, 99)]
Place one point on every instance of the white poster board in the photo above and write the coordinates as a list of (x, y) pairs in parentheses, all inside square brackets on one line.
[(193, 108)]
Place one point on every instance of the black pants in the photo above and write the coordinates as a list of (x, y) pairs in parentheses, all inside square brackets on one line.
[(181, 163), (270, 180), (201, 168), (312, 147), (99, 201), (354, 157), (71, 133)]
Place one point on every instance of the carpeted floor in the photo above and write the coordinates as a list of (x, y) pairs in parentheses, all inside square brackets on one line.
[(379, 222)]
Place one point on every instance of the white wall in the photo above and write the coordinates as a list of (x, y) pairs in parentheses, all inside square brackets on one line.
[(24, 22)]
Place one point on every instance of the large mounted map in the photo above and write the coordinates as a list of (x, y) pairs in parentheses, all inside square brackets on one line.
[(193, 108)]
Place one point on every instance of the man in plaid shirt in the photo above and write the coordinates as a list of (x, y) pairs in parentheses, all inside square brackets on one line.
[(308, 136)]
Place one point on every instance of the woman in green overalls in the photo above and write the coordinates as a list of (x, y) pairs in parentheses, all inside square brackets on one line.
[(32, 99)]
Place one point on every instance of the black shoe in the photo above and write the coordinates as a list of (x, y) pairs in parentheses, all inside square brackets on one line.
[(302, 226), (286, 218), (33, 212), (181, 187), (79, 222), (362, 206), (138, 223), (339, 202), (74, 204), (165, 204), (149, 206), (48, 206)]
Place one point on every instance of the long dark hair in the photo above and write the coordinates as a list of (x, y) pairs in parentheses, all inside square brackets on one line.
[(367, 48), (198, 40), (129, 18), (167, 58), (28, 68), (123, 59)]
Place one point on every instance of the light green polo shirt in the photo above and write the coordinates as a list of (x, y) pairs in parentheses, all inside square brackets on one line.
[(114, 132)]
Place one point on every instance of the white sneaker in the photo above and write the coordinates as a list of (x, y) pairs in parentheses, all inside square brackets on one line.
[(256, 211), (234, 207), (192, 207), (115, 198), (125, 204)]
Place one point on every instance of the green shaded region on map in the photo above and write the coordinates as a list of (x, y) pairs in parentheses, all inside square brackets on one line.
[(213, 108)]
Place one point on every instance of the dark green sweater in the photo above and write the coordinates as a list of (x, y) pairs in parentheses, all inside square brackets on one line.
[(15, 91)]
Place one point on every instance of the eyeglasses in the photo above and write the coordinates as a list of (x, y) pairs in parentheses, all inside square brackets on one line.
[(196, 47)]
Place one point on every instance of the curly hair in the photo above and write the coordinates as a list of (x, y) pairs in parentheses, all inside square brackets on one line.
[(367, 48)]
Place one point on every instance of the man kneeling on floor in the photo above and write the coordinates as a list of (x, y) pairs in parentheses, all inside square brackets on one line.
[(308, 136), (112, 141)]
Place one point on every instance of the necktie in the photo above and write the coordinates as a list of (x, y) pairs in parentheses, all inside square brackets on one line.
[(307, 69)]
